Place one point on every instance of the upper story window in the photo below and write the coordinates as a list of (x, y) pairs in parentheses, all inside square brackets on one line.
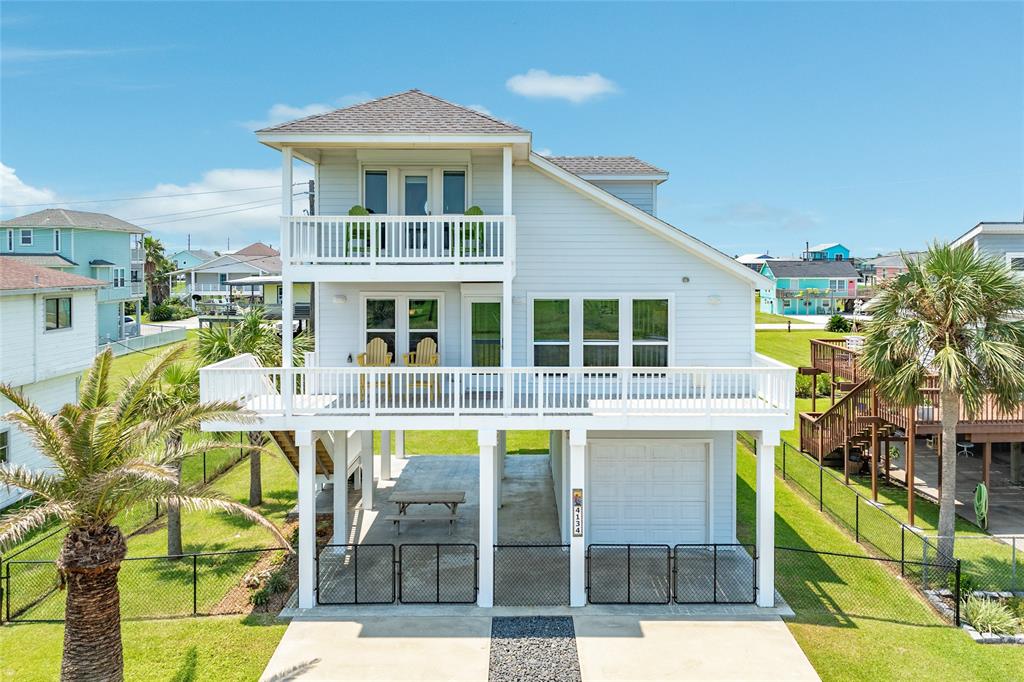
[(117, 278), (26, 237), (454, 192), (58, 313), (650, 332), (375, 192), (1015, 261), (551, 332), (600, 332), (56, 240), (10, 240)]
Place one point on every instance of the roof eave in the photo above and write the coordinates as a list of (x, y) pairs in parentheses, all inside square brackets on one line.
[(49, 290), (626, 177), (278, 140)]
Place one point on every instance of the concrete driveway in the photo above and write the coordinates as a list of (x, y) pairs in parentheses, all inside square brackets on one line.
[(413, 646)]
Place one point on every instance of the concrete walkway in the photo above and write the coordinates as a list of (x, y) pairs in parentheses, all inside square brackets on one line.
[(609, 648)]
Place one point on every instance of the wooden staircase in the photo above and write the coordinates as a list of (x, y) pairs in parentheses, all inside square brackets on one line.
[(286, 441)]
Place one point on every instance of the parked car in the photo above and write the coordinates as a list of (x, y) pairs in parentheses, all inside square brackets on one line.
[(131, 327)]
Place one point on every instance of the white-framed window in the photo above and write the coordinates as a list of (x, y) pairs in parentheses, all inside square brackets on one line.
[(1015, 260), (551, 332), (117, 277), (5, 445), (415, 188), (56, 241), (596, 331), (26, 237), (58, 313), (837, 284), (10, 240), (375, 191), (402, 321)]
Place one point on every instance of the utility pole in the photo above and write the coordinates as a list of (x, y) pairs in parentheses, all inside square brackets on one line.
[(312, 197)]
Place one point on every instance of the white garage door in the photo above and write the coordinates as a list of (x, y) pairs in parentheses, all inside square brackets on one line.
[(648, 491)]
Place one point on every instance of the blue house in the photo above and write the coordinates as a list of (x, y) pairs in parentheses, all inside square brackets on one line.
[(809, 287), (190, 258), (93, 245), (832, 251)]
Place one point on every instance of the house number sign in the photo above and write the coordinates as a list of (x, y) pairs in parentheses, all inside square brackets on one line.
[(577, 512)]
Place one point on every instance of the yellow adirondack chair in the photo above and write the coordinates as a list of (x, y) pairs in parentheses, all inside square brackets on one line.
[(425, 355), (376, 355)]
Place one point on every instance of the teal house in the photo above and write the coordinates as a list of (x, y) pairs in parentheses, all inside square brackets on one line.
[(830, 251), (809, 287), (187, 259), (94, 245)]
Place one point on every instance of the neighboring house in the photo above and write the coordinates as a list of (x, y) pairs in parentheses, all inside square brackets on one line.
[(190, 258), (754, 261), (999, 240), (830, 251), (564, 308), (212, 278), (882, 268), (809, 287), (94, 245), (47, 337)]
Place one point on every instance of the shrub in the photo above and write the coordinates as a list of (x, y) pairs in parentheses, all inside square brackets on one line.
[(161, 313), (967, 584), (837, 323), (1016, 606), (358, 210), (989, 615), (277, 582), (824, 385), (804, 383), (260, 597)]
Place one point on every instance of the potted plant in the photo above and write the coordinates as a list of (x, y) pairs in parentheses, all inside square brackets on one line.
[(357, 233)]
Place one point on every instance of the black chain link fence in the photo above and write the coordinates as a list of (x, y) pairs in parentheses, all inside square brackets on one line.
[(715, 574), (437, 573), (150, 587), (531, 575), (629, 574), (355, 574)]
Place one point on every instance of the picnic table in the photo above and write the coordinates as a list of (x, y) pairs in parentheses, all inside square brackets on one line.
[(449, 498)]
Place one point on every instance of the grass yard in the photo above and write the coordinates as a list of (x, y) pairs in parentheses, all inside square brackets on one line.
[(765, 318), (837, 622), (224, 648), (792, 348), (465, 443)]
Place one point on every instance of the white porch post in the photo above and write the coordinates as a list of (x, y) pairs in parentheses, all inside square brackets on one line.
[(499, 456), (287, 306), (766, 441), (399, 444), (367, 476), (339, 456), (506, 284), (192, 289), (488, 442), (385, 455), (307, 517), (577, 538)]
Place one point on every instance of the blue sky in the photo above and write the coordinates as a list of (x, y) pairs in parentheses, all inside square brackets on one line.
[(878, 125)]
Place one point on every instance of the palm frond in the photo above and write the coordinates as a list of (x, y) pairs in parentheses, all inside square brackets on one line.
[(15, 526), (213, 501), (139, 388), (38, 481), (41, 427), (95, 385)]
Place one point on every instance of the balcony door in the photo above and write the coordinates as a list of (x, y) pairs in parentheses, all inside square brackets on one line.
[(415, 197), (482, 341), (402, 321)]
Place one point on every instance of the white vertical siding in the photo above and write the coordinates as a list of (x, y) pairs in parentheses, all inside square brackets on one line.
[(640, 193), (568, 243), (29, 353)]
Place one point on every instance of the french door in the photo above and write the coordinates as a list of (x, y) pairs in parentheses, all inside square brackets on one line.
[(402, 322), (416, 197)]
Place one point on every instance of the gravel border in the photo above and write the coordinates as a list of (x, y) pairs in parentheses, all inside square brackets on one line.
[(533, 648)]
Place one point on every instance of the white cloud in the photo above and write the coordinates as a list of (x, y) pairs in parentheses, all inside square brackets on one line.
[(217, 216), (14, 191), (279, 113), (576, 89), (35, 54), (754, 213)]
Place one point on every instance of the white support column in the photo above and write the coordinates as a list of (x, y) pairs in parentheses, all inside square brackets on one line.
[(192, 289), (385, 455), (307, 518), (339, 456), (765, 442), (367, 477), (577, 534), (399, 444), (488, 442), (499, 464), (287, 305)]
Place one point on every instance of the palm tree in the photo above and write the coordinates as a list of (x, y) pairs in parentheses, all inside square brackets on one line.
[(177, 387), (956, 315), (157, 267), (109, 455), (253, 334)]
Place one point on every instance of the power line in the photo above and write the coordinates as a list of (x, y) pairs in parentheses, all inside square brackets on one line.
[(143, 198), (262, 203), (199, 210)]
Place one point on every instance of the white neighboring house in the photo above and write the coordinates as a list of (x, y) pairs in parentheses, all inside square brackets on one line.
[(564, 307), (999, 240), (47, 338), (212, 279)]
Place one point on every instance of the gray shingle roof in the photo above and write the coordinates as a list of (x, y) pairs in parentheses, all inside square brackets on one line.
[(606, 165), (812, 268), (408, 112), (82, 220), (16, 275), (43, 260), (892, 259)]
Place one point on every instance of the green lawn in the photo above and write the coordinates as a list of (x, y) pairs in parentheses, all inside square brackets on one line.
[(841, 622), (763, 318), (792, 348), (465, 443), (183, 649)]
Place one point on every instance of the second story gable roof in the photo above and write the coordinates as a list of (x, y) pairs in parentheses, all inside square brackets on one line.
[(1007, 228), (201, 254), (795, 269), (80, 220), (409, 112), (257, 249), (17, 275), (613, 166), (824, 247)]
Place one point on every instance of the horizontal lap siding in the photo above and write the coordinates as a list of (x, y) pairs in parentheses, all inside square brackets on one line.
[(640, 194), (28, 353), (486, 179), (998, 245), (568, 243), (338, 182)]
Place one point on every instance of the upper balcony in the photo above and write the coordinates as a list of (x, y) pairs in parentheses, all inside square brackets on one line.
[(397, 248)]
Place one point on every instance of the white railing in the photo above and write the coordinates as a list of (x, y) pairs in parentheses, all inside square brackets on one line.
[(391, 239), (765, 389), (217, 287), (128, 291)]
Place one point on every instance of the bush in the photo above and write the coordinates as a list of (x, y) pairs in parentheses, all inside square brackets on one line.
[(804, 383), (967, 584), (989, 615), (161, 313), (277, 582), (837, 323), (260, 597)]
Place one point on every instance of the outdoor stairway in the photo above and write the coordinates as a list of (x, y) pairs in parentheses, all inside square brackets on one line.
[(286, 441)]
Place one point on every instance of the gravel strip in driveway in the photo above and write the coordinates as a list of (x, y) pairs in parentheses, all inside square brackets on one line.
[(534, 648)]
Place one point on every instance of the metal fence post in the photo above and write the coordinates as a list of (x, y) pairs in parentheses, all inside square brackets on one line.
[(956, 608), (1013, 564), (903, 549), (784, 446), (821, 488), (195, 585), (7, 593), (856, 516)]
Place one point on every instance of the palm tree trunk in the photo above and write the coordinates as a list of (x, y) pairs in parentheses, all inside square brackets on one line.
[(255, 480), (949, 405), (89, 561), (173, 512)]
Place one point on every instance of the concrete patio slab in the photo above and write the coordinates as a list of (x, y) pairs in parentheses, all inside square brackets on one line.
[(395, 648), (625, 648)]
